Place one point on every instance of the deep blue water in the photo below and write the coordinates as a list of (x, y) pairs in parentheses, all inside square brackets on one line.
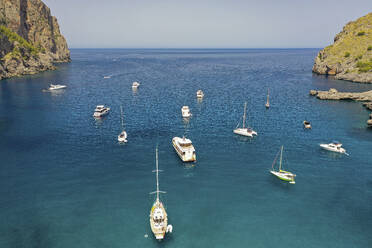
[(66, 182)]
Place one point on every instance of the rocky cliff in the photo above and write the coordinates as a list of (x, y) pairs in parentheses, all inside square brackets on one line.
[(30, 40), (350, 56)]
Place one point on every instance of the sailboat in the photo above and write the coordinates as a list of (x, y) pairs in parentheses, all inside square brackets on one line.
[(245, 131), (158, 215), (122, 137), (282, 174), (267, 105)]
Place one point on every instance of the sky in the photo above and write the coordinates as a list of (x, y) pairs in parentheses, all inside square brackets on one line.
[(204, 23)]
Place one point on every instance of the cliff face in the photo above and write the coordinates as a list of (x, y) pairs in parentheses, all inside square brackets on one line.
[(30, 40), (350, 56)]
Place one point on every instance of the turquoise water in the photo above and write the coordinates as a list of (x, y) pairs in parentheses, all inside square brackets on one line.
[(66, 182)]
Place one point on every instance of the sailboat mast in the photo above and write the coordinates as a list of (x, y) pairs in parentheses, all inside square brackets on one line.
[(281, 155), (267, 101), (122, 118), (244, 115), (157, 176)]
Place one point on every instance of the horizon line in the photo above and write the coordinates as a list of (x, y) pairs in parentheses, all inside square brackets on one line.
[(197, 48)]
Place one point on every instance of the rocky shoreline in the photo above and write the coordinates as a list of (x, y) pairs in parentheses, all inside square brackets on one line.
[(350, 56), (30, 39), (333, 94)]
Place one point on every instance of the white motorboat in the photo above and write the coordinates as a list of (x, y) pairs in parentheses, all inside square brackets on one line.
[(245, 131), (135, 85), (335, 146), (158, 215), (199, 94), (184, 149), (56, 86), (122, 137), (101, 111), (186, 112)]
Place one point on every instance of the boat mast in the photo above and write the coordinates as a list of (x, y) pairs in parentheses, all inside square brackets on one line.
[(267, 101), (157, 175), (281, 155), (122, 118), (244, 115)]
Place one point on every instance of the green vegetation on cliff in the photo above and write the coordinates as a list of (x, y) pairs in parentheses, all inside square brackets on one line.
[(14, 37), (349, 57)]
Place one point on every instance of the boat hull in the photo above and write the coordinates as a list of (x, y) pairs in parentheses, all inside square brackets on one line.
[(284, 175), (245, 132), (331, 149), (101, 114), (158, 227), (183, 157)]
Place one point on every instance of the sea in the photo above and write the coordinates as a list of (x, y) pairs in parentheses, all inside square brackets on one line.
[(66, 182)]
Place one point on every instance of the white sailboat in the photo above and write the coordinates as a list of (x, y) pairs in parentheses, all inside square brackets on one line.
[(282, 174), (267, 105), (245, 131), (158, 215), (122, 137)]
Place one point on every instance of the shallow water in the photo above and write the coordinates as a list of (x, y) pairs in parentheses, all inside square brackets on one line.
[(66, 182)]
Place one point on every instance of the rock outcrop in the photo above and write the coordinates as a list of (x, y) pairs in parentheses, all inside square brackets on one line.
[(30, 39), (350, 56), (333, 94)]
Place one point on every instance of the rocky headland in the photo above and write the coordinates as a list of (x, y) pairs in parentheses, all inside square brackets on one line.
[(30, 39), (350, 56), (333, 94)]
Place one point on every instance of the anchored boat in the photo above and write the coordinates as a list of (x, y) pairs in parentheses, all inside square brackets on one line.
[(267, 105), (335, 146), (184, 149), (282, 174), (135, 85), (307, 124), (245, 131), (186, 112), (122, 137), (158, 215), (56, 86), (199, 94), (101, 111)]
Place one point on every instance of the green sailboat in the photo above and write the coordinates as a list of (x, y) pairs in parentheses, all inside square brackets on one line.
[(282, 174)]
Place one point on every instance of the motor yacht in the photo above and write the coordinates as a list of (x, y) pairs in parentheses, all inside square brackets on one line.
[(135, 85), (101, 111), (184, 149), (199, 94), (186, 112), (335, 146), (56, 86)]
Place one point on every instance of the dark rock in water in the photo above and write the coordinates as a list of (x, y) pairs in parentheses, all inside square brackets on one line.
[(30, 40), (350, 57)]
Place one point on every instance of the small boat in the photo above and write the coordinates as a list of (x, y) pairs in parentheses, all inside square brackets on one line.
[(307, 124), (199, 94), (107, 77), (267, 105), (245, 131), (184, 149), (56, 86), (335, 146), (186, 112), (135, 85), (122, 137), (158, 215), (282, 174), (101, 111)]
